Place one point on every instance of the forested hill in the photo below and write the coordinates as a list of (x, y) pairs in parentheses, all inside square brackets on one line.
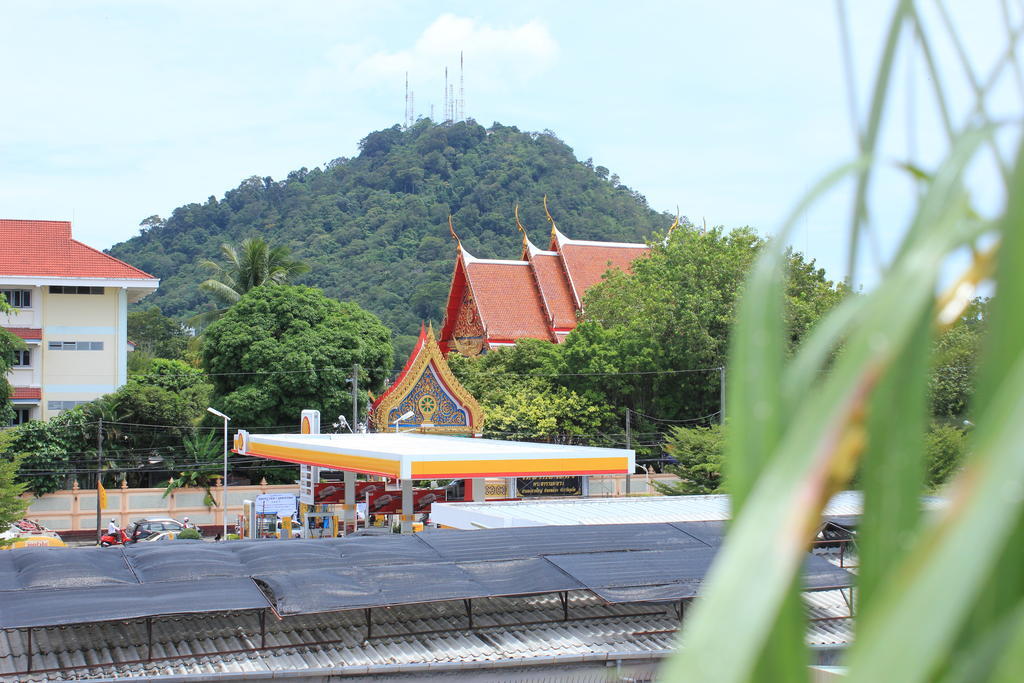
[(373, 228)]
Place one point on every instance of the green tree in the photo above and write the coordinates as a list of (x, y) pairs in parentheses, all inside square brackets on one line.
[(954, 357), (554, 415), (50, 451), (256, 264), (284, 348), (157, 335), (201, 465), (670, 321), (12, 505), (698, 451), (945, 447)]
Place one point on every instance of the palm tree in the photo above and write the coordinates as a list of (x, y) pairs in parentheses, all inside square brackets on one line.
[(256, 264)]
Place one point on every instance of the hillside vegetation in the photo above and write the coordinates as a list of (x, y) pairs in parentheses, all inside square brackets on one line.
[(373, 228)]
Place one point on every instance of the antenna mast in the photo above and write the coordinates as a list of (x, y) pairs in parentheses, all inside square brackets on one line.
[(407, 122), (462, 91), (446, 105)]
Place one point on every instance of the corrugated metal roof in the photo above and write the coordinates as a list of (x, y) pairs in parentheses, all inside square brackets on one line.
[(420, 637)]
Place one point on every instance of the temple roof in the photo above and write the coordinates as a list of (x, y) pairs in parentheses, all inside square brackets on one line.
[(508, 299), (538, 296)]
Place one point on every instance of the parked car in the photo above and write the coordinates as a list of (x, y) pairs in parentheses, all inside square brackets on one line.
[(153, 527)]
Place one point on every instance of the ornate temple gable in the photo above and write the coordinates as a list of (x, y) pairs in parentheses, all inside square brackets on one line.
[(462, 311), (428, 388), (468, 336)]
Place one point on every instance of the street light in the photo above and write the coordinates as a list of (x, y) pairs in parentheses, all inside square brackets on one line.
[(224, 483), (406, 416)]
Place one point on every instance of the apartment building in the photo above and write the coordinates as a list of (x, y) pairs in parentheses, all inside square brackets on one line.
[(71, 309)]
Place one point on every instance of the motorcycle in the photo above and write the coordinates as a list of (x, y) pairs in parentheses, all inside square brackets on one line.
[(120, 538)]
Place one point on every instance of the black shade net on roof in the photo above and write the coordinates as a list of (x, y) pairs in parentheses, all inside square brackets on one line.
[(309, 591), (30, 608), (618, 562), (501, 544)]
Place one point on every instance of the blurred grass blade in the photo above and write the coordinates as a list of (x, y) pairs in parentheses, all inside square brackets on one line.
[(892, 470), (948, 566), (869, 140), (757, 354), (759, 561), (976, 531)]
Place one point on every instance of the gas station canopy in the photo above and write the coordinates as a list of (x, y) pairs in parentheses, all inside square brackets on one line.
[(421, 456)]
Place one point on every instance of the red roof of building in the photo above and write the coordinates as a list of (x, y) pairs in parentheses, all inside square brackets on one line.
[(27, 393), (538, 297), (587, 263), (25, 332), (555, 287), (46, 248), (508, 300)]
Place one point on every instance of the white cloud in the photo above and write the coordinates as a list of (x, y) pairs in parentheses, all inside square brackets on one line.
[(495, 58)]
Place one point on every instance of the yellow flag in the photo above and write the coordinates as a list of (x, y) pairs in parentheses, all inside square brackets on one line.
[(102, 493)]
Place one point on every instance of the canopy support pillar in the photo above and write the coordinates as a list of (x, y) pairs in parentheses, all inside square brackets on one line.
[(564, 597), (407, 510), (469, 611), (263, 629), (149, 640), (28, 651), (349, 508), (369, 624), (476, 490)]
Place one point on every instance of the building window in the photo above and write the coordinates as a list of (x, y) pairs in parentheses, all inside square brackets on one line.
[(63, 405), (22, 358), (19, 298), (65, 289), (21, 416), (74, 346)]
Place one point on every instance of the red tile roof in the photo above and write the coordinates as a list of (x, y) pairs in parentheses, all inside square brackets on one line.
[(508, 300), (555, 287), (537, 297), (25, 332), (587, 263), (27, 393), (45, 248)]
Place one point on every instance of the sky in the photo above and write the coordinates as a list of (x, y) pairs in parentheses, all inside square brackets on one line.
[(115, 111)]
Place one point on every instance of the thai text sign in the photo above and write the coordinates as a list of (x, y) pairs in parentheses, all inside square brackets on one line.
[(549, 486)]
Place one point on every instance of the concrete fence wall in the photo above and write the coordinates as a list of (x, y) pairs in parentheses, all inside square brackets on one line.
[(75, 510)]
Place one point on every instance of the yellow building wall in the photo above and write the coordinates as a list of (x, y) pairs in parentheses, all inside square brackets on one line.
[(79, 375)]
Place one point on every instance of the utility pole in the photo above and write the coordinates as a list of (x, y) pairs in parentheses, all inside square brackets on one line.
[(721, 399), (355, 397), (99, 478), (629, 475)]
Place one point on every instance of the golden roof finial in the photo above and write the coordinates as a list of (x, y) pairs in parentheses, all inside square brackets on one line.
[(550, 219), (526, 240), (674, 225), (451, 227)]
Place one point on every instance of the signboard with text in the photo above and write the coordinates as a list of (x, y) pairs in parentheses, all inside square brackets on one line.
[(549, 486), (390, 502), (334, 492)]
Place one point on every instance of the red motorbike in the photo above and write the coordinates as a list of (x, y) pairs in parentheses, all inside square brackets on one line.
[(120, 538)]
